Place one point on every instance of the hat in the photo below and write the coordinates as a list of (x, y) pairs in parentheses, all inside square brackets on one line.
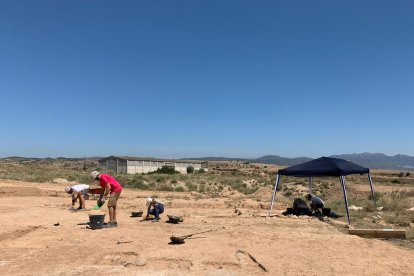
[(67, 189), (149, 200), (94, 174)]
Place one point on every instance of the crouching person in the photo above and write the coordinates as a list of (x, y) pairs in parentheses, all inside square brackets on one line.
[(78, 192), (316, 203), (110, 186), (155, 208)]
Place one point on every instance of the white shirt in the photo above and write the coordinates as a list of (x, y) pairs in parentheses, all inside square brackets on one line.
[(79, 188), (317, 200)]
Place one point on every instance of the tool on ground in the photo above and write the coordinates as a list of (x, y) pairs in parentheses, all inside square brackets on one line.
[(175, 219), (137, 214), (181, 239), (119, 242)]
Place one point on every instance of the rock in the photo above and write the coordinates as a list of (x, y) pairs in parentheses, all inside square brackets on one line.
[(239, 256), (410, 209), (136, 262), (353, 207), (265, 206), (238, 211), (60, 181), (140, 262), (380, 208)]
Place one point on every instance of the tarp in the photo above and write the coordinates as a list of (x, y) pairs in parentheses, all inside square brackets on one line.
[(324, 166)]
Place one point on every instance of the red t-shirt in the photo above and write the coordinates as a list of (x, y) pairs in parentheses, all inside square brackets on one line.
[(106, 178)]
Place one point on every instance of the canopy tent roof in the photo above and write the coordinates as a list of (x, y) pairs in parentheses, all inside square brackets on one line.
[(324, 166)]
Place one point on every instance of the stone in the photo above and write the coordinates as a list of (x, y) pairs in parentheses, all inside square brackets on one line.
[(60, 181)]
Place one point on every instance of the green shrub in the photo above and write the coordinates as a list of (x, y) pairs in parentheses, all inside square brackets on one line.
[(179, 189), (190, 169), (166, 170), (166, 188), (377, 196), (201, 170), (139, 185), (191, 186)]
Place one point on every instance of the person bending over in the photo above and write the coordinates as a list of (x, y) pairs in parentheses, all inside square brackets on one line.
[(316, 203), (110, 186), (78, 191)]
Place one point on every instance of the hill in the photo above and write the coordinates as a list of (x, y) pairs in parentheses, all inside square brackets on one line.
[(370, 160)]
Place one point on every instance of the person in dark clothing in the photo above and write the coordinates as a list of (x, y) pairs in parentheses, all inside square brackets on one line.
[(300, 207)]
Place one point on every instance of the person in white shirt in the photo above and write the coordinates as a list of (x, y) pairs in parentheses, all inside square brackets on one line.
[(316, 203), (78, 191)]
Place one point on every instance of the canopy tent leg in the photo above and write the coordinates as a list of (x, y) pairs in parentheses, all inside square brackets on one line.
[(372, 189), (343, 183), (274, 194), (310, 184)]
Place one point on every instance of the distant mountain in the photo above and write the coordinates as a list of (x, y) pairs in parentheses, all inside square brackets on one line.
[(267, 159), (216, 159), (380, 160), (282, 161), (369, 160)]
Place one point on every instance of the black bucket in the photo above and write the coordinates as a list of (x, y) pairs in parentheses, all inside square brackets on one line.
[(326, 212), (96, 221)]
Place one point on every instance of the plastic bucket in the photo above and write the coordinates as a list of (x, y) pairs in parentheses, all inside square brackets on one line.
[(96, 221)]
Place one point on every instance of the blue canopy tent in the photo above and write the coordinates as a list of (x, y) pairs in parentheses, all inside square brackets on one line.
[(324, 166)]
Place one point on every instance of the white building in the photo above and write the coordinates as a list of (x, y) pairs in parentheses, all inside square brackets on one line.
[(132, 165)]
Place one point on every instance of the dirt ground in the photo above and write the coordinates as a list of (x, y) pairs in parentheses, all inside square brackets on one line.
[(30, 244)]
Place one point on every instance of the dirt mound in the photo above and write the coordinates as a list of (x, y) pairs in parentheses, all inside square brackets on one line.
[(18, 233), (23, 191), (262, 193)]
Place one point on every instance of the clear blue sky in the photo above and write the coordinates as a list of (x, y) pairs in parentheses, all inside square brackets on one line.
[(206, 78)]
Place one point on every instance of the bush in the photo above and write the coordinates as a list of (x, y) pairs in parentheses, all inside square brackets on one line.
[(139, 184), (376, 196), (179, 189), (201, 171), (166, 188), (191, 186), (166, 170), (190, 169)]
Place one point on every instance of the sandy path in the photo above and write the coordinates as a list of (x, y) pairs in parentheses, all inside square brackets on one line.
[(31, 245)]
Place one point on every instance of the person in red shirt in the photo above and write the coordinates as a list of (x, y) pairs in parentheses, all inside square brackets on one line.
[(112, 187)]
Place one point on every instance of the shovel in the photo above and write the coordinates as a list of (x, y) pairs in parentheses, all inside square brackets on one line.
[(181, 239)]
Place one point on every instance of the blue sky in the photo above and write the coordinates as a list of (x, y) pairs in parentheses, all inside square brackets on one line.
[(206, 78)]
